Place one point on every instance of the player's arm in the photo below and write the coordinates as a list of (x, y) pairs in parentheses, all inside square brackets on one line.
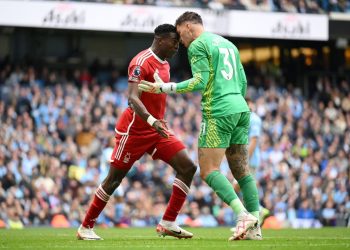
[(243, 80), (135, 102), (200, 71), (136, 74), (253, 141), (196, 83), (254, 134), (140, 109)]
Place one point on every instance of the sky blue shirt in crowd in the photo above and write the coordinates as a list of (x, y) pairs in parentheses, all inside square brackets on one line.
[(255, 130)]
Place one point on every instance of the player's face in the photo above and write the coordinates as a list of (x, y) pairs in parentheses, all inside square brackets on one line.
[(170, 45), (184, 31)]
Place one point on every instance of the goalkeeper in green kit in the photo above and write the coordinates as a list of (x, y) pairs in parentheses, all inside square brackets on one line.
[(219, 75)]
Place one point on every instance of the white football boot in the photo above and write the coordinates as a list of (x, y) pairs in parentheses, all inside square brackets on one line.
[(85, 233), (173, 230), (245, 222), (254, 234)]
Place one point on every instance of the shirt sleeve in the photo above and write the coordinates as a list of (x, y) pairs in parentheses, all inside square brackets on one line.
[(243, 80), (200, 70), (198, 58), (255, 127), (136, 74), (196, 83)]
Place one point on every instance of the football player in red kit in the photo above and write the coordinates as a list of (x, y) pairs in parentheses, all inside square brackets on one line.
[(141, 129)]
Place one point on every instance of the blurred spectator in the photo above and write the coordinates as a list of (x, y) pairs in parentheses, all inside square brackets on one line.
[(300, 6)]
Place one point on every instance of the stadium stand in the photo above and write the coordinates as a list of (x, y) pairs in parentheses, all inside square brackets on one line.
[(57, 127), (294, 6), (57, 134)]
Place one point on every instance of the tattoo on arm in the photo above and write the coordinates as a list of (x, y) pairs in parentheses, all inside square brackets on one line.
[(237, 157)]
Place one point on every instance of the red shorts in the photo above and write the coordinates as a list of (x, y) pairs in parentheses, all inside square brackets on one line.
[(130, 148)]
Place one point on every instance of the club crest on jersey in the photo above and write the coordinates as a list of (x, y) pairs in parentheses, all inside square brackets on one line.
[(127, 157)]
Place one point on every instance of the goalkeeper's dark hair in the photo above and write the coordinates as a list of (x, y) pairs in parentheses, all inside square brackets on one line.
[(164, 29), (189, 16)]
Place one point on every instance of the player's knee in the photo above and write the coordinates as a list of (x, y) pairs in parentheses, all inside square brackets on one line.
[(244, 171), (207, 169), (187, 169), (203, 174), (191, 170), (109, 186)]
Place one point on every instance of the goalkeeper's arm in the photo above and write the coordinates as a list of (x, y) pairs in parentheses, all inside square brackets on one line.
[(243, 81), (196, 83)]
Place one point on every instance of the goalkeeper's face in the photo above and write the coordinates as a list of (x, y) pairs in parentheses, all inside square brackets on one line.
[(185, 33), (169, 44)]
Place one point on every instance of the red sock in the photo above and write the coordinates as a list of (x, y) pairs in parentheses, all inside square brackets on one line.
[(99, 202), (177, 199)]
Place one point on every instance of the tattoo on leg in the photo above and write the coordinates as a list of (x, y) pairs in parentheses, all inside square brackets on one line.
[(237, 157), (232, 150)]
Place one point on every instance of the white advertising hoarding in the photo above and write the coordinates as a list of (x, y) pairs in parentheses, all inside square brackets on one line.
[(95, 16), (279, 25), (136, 18)]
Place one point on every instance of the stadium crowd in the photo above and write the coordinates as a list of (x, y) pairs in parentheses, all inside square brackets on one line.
[(57, 133), (293, 6)]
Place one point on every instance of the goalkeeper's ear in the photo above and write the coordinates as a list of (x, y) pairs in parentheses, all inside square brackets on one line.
[(157, 78)]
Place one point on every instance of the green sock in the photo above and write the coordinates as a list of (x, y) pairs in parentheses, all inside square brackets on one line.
[(222, 187), (256, 214), (250, 194), (237, 206)]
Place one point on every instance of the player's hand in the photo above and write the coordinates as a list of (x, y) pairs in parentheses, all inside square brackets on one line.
[(152, 87), (161, 127), (164, 123)]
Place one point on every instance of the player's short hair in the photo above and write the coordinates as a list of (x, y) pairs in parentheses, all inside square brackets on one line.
[(164, 29), (189, 16)]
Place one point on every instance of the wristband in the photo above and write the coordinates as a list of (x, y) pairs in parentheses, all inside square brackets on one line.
[(151, 120), (168, 88)]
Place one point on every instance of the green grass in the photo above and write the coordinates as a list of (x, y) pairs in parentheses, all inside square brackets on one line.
[(145, 238)]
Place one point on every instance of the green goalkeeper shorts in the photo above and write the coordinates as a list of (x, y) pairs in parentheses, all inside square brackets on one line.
[(221, 132)]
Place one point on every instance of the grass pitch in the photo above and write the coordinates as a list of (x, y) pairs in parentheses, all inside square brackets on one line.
[(145, 238)]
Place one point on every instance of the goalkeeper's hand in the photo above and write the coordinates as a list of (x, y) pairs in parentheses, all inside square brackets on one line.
[(158, 86)]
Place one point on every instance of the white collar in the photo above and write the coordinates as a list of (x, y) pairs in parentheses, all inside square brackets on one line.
[(160, 60)]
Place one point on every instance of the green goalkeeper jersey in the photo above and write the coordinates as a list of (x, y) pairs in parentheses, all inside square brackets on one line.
[(219, 75)]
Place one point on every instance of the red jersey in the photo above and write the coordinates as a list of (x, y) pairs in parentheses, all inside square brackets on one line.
[(142, 67)]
